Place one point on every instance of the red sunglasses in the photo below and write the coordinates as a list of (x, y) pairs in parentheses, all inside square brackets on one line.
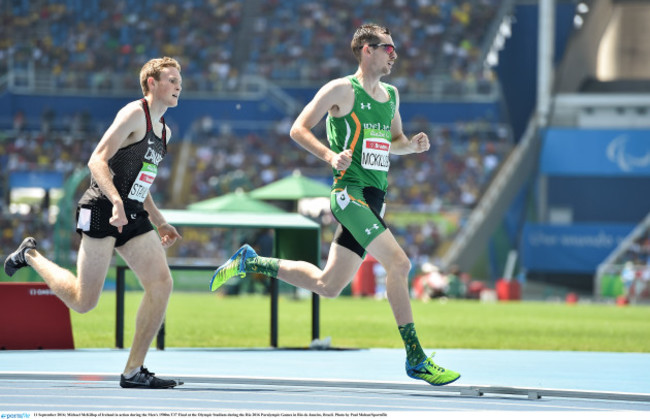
[(389, 48)]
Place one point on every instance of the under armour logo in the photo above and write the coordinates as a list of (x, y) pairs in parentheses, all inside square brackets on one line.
[(374, 227), (365, 106)]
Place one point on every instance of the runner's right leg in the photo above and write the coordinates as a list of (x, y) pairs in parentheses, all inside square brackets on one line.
[(388, 252), (148, 261)]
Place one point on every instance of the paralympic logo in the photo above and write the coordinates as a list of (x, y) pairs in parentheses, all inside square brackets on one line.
[(617, 153)]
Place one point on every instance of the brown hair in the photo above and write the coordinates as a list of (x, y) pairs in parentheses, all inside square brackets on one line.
[(153, 68), (366, 33)]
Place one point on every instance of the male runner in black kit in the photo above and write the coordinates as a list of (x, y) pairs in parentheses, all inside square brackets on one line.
[(117, 212)]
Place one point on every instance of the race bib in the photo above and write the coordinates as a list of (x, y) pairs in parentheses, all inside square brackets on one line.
[(143, 182), (374, 155)]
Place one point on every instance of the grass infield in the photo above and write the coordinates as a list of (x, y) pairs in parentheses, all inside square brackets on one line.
[(212, 320)]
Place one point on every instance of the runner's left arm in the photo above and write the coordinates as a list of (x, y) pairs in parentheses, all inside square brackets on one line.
[(167, 232), (400, 144)]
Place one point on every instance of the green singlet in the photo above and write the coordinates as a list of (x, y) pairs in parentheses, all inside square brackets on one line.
[(366, 131)]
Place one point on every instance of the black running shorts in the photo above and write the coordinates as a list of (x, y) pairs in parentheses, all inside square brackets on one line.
[(94, 221)]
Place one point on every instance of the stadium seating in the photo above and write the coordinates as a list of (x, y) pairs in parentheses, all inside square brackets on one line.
[(90, 46)]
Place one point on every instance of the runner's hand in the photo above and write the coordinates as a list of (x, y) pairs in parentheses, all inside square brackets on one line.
[(343, 160), (168, 235), (420, 143), (118, 219)]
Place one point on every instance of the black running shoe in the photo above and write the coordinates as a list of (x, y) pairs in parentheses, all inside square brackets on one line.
[(146, 379), (16, 260)]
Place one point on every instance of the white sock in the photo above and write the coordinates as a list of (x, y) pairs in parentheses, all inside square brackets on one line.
[(132, 373)]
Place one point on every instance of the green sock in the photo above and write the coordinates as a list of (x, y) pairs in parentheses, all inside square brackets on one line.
[(414, 352), (263, 265)]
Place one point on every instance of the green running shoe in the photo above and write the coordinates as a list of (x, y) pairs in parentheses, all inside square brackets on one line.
[(433, 374), (234, 266)]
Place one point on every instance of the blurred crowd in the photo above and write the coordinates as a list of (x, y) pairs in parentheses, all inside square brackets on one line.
[(639, 252), (100, 44), (302, 40), (635, 271)]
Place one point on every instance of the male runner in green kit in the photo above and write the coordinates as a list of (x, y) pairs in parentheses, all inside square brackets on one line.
[(363, 127)]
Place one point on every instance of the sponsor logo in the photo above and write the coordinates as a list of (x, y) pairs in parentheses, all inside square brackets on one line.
[(377, 145), (365, 106), (146, 178), (373, 227), (150, 141)]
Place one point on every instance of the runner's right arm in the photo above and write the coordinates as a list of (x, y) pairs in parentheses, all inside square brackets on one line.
[(327, 99)]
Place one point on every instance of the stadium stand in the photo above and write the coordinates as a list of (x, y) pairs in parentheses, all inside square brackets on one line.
[(297, 41), (98, 44)]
